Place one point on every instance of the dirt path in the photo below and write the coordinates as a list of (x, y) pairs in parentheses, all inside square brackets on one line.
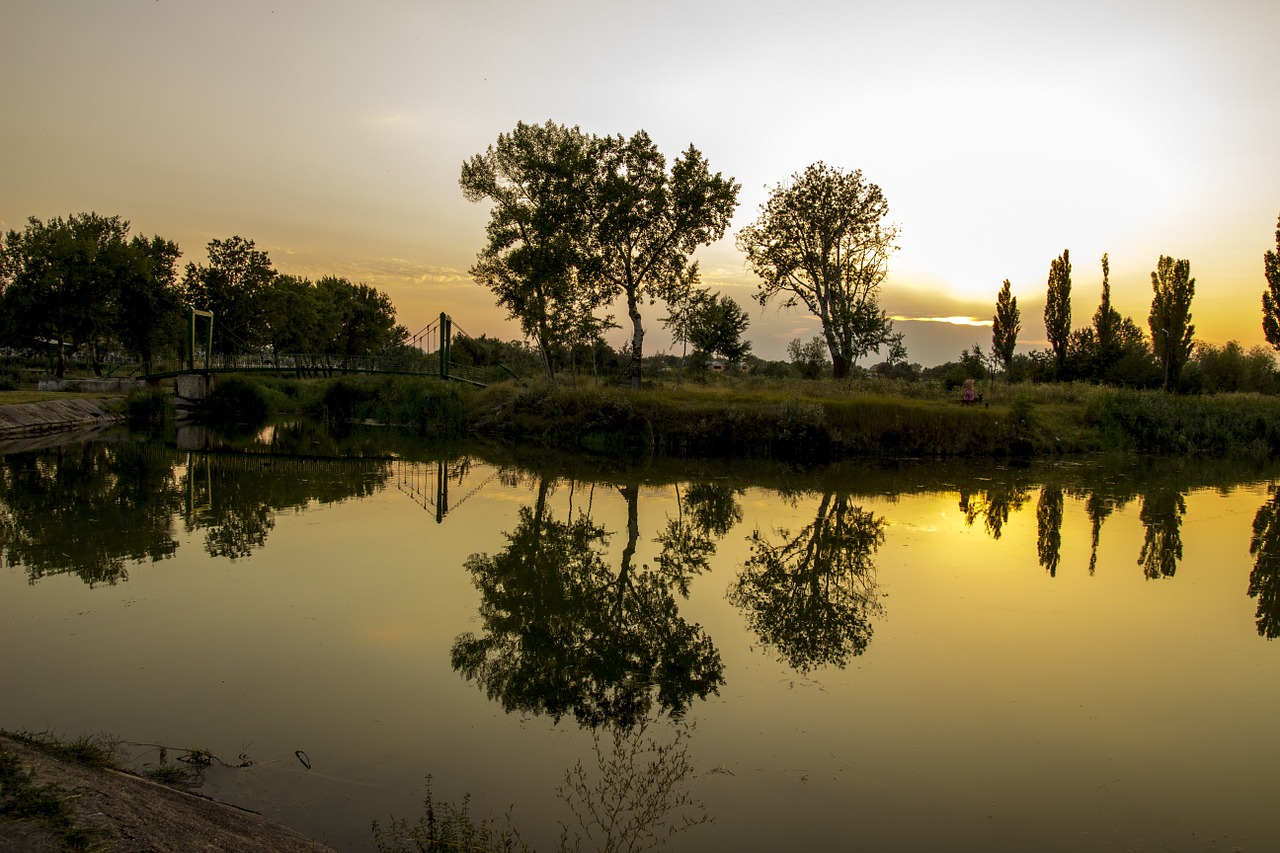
[(127, 814)]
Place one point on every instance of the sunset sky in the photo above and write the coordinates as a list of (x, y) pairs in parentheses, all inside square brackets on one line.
[(332, 134)]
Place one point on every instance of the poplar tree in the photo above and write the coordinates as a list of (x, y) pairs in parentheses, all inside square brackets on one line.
[(1005, 326), (1271, 296), (1057, 309), (1170, 319)]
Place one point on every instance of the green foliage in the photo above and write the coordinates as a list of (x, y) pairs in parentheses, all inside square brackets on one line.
[(232, 286), (1177, 425), (820, 242), (82, 284), (809, 357), (1229, 368), (236, 404), (149, 410)]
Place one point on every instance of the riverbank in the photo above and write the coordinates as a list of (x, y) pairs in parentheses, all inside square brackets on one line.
[(58, 414), (74, 806)]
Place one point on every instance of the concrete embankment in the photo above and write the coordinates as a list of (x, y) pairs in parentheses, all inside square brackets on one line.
[(20, 420)]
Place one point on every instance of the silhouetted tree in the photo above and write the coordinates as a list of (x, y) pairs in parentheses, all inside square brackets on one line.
[(231, 286), (1271, 296), (1170, 318), (1057, 310), (649, 221), (539, 259), (994, 504), (820, 241), (60, 281), (1005, 326)]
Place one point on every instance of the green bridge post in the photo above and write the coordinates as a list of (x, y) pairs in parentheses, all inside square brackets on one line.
[(446, 333)]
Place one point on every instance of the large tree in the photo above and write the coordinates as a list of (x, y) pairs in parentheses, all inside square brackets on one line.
[(1057, 309), (1170, 318), (650, 220), (1005, 326), (60, 281), (537, 261), (231, 286), (820, 241), (1271, 296)]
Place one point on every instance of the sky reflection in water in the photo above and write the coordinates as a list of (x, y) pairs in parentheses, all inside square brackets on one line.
[(954, 656)]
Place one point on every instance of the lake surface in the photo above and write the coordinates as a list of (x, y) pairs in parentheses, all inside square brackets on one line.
[(1072, 655)]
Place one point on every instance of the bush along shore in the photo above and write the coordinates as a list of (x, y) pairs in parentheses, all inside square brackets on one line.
[(811, 421)]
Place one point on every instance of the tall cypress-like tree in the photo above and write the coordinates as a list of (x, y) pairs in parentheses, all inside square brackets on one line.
[(1271, 296), (1005, 326), (1170, 319), (1057, 309)]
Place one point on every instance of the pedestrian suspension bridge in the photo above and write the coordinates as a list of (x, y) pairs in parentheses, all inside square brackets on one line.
[(426, 353)]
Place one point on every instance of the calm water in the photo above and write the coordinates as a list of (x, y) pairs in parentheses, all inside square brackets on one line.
[(1068, 656)]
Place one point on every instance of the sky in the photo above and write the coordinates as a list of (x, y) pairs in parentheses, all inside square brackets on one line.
[(332, 134)]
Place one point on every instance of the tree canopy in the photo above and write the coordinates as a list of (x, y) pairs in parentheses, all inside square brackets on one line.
[(537, 260), (820, 242), (82, 282)]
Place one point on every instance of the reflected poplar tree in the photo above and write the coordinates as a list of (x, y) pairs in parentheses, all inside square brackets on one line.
[(812, 595), (87, 509), (994, 505), (1264, 580), (1161, 515), (565, 634), (1049, 528)]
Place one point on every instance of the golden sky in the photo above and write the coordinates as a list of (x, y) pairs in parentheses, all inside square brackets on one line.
[(332, 134)]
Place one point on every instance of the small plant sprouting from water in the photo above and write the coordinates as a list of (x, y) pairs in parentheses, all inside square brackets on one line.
[(639, 798), (635, 798), (446, 827)]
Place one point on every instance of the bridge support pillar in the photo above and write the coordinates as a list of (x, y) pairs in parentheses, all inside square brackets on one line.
[(190, 389)]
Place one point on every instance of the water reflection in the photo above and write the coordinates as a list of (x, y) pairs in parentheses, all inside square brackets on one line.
[(87, 510), (566, 633), (811, 595), (1264, 580)]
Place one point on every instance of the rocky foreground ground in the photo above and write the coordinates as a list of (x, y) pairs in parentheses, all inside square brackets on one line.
[(124, 813)]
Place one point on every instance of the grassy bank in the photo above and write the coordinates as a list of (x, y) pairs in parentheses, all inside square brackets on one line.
[(815, 420)]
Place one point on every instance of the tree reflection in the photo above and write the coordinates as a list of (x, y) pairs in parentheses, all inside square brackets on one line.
[(1161, 515), (1264, 580), (86, 510), (993, 505), (564, 634), (1049, 528), (704, 514), (235, 498), (812, 595)]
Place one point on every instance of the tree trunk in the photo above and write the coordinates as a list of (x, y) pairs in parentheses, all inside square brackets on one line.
[(632, 374), (839, 366)]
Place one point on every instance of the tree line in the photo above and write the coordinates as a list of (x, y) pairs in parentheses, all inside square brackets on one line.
[(85, 286), (1115, 349)]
